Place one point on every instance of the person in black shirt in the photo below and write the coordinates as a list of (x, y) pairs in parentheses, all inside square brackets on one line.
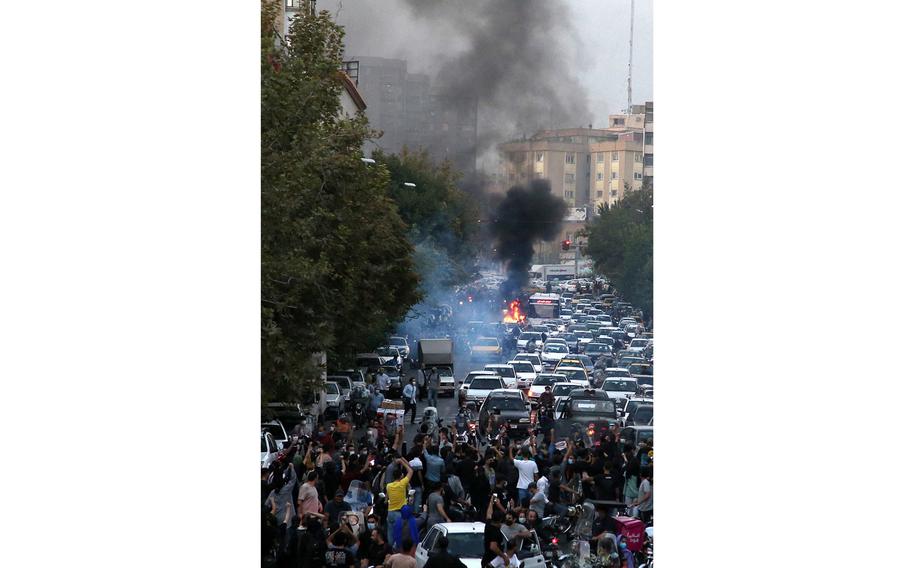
[(375, 551), (492, 536), (443, 559), (337, 556)]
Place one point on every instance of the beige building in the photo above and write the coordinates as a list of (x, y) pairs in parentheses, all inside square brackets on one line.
[(585, 166)]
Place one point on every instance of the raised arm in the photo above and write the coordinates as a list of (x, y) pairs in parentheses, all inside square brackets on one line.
[(407, 466)]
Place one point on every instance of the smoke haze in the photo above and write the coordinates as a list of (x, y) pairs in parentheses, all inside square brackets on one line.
[(518, 60)]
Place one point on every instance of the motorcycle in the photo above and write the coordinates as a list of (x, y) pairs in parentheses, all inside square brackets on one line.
[(466, 425)]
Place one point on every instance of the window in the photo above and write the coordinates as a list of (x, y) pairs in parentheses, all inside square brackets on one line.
[(614, 175), (570, 178), (615, 156), (649, 138), (600, 157), (613, 193), (619, 122), (570, 195), (638, 157), (600, 176), (539, 156), (600, 194), (570, 157), (649, 160), (637, 175)]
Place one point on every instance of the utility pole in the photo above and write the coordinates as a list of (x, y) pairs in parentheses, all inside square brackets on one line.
[(629, 87)]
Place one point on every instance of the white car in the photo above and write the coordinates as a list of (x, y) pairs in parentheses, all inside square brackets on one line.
[(524, 373), (402, 344), (562, 390), (465, 543), (468, 379), (532, 358), (279, 434), (584, 337), (506, 371), (575, 375), (639, 344), (542, 381), (528, 337), (481, 386), (617, 372), (334, 400), (619, 388), (268, 449), (553, 353), (343, 382)]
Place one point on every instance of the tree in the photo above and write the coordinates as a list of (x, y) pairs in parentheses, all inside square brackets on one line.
[(621, 245), (440, 216), (337, 269)]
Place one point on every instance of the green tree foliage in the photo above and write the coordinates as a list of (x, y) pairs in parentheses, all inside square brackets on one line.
[(442, 218), (621, 244), (337, 268)]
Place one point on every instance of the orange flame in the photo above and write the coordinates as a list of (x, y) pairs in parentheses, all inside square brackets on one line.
[(513, 314)]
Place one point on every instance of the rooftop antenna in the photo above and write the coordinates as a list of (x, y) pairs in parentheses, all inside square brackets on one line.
[(631, 29)]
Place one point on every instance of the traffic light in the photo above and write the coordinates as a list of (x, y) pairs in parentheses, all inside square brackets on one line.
[(566, 244)]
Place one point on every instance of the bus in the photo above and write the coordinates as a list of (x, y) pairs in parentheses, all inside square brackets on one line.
[(543, 307)]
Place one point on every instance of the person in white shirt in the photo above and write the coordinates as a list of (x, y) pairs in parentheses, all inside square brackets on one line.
[(527, 473), (511, 550), (409, 393), (384, 381)]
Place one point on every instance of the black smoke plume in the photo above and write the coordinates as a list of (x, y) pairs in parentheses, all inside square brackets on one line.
[(525, 216)]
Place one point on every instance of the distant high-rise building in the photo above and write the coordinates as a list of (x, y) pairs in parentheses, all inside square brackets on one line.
[(410, 112)]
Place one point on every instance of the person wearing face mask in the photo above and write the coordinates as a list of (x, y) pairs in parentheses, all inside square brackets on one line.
[(514, 530), (375, 551)]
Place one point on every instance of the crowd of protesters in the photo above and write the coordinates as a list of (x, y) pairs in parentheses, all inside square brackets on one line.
[(343, 497)]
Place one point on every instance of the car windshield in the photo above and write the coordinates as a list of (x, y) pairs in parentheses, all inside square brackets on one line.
[(331, 388), (483, 383), (545, 380), (638, 343), (645, 434), (593, 406), (466, 545), (487, 342), (274, 430), (639, 369), (596, 348), (585, 334), (527, 336), (585, 360), (368, 361), (503, 371), (622, 386), (263, 447), (398, 341), (644, 413), (556, 348), (534, 359), (507, 403), (523, 367), (618, 373), (342, 382), (387, 352), (563, 390), (574, 374)]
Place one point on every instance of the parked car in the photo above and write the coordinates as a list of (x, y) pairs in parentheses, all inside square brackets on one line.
[(334, 400), (465, 543), (402, 344), (542, 381), (533, 358), (552, 353), (481, 386), (486, 348), (279, 434), (506, 406), (506, 371), (526, 337), (268, 449), (524, 373), (344, 383)]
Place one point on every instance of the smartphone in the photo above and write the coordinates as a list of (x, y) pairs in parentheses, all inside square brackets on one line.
[(372, 462)]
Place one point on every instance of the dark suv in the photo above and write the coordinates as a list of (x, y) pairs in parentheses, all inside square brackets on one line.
[(508, 407)]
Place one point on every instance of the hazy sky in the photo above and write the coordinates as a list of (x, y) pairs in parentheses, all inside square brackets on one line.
[(597, 54)]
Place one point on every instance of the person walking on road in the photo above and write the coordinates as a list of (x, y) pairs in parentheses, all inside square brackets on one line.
[(409, 393), (433, 387)]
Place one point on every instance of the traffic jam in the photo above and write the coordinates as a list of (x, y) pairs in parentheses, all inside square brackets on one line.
[(491, 432)]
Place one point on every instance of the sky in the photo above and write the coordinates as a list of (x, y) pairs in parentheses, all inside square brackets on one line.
[(591, 44)]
